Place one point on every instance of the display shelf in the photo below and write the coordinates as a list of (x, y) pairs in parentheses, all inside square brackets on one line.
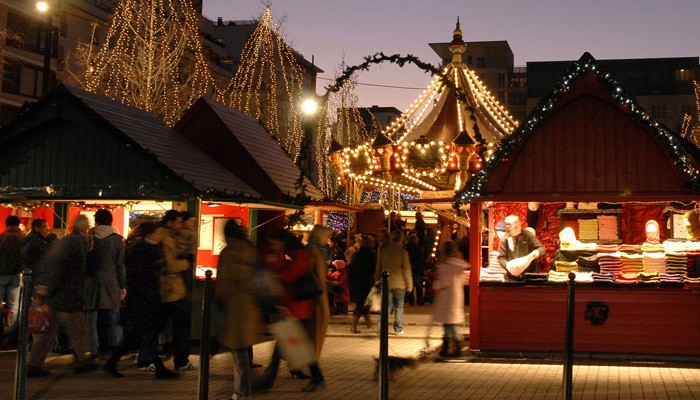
[(574, 213)]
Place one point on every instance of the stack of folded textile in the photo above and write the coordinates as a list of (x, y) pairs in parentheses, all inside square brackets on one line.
[(588, 263), (565, 266), (607, 227), (535, 277), (626, 279), (649, 278), (671, 278), (654, 261), (610, 262), (493, 272), (605, 277), (588, 229), (632, 263), (607, 248), (558, 277), (584, 277)]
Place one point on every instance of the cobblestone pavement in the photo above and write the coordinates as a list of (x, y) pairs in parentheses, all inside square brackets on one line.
[(347, 363)]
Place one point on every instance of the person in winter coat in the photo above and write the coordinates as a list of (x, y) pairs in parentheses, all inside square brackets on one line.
[(65, 293), (341, 290), (393, 258), (242, 324), (319, 251), (415, 256), (289, 260), (175, 296), (106, 259), (448, 308), (145, 313), (11, 263), (361, 279)]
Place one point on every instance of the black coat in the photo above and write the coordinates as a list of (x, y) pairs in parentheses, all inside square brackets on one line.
[(144, 266), (361, 274), (67, 274), (34, 248)]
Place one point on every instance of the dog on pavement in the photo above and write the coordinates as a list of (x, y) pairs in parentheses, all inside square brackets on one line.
[(396, 364)]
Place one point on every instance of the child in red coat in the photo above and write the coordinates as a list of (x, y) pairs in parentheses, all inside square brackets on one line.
[(341, 290)]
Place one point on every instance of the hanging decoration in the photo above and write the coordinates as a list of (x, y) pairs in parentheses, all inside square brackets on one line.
[(423, 157)]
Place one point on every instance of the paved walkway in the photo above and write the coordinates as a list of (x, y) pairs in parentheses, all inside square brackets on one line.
[(348, 366)]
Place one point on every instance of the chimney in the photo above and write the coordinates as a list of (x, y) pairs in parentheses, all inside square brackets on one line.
[(219, 21)]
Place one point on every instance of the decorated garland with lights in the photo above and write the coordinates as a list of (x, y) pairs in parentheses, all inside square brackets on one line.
[(426, 159)]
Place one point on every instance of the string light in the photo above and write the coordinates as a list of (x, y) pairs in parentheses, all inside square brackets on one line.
[(152, 58), (435, 244), (256, 91)]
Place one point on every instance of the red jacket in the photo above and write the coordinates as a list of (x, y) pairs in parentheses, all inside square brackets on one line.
[(289, 271)]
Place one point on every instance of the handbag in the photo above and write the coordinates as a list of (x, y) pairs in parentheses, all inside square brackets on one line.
[(294, 343), (307, 287)]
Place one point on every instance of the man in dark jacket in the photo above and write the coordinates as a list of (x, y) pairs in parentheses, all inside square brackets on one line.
[(34, 248), (516, 244), (10, 264), (65, 293), (106, 262)]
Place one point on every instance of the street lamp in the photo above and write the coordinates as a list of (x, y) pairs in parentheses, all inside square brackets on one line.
[(44, 7)]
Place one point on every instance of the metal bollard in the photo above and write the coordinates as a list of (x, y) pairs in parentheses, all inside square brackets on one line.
[(23, 336), (569, 341), (203, 391), (384, 340)]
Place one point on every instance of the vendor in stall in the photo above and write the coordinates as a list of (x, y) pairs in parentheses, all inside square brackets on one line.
[(519, 249)]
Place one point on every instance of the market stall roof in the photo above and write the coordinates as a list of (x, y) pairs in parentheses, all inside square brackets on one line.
[(74, 144), (589, 141), (241, 144)]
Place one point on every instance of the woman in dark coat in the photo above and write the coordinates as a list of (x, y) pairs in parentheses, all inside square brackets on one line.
[(415, 255), (361, 279), (144, 305)]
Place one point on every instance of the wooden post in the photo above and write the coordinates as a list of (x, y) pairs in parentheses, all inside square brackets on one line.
[(569, 342), (203, 391), (384, 340)]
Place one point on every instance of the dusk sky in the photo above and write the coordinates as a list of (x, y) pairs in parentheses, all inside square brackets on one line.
[(537, 30)]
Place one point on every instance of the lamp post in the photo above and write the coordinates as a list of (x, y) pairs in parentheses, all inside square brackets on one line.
[(309, 107), (44, 7)]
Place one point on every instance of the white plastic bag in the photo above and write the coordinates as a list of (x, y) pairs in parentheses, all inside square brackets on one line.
[(294, 343), (374, 299), (517, 266)]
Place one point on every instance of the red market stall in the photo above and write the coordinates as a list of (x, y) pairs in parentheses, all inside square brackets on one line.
[(587, 151)]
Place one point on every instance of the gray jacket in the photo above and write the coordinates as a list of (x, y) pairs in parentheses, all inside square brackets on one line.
[(106, 262)]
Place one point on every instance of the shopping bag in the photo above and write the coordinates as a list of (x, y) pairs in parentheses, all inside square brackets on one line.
[(374, 299), (294, 343)]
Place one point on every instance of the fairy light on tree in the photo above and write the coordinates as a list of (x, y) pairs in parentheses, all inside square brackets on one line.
[(691, 121), (341, 120), (268, 84), (152, 58)]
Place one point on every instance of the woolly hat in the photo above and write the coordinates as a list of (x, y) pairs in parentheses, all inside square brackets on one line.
[(692, 226), (338, 264), (653, 234), (501, 226)]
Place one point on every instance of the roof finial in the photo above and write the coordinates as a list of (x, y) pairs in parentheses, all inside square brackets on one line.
[(457, 46)]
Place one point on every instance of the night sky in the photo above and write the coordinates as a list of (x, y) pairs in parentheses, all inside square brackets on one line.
[(537, 30)]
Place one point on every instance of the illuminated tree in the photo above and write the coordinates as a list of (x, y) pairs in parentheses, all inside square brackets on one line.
[(152, 58), (268, 84), (340, 120), (691, 121)]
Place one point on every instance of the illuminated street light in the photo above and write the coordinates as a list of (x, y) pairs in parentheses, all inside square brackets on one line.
[(309, 107)]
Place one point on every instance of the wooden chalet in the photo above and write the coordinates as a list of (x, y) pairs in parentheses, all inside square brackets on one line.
[(588, 142)]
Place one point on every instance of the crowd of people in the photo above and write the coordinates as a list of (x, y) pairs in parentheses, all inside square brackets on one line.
[(112, 294)]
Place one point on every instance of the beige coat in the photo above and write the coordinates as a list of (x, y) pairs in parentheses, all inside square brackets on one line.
[(322, 311), (172, 283), (394, 259), (242, 324)]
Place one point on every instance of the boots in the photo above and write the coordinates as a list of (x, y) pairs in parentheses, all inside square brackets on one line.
[(162, 372), (111, 365), (456, 352), (368, 320), (353, 327), (445, 350)]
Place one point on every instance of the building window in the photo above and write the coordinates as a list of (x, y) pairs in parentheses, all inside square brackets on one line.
[(501, 80), (659, 110), (687, 109), (22, 80), (480, 61), (469, 60), (518, 82), (7, 113), (685, 75)]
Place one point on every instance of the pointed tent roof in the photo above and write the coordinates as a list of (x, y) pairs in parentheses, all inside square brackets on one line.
[(462, 104), (74, 120), (588, 141), (245, 146)]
